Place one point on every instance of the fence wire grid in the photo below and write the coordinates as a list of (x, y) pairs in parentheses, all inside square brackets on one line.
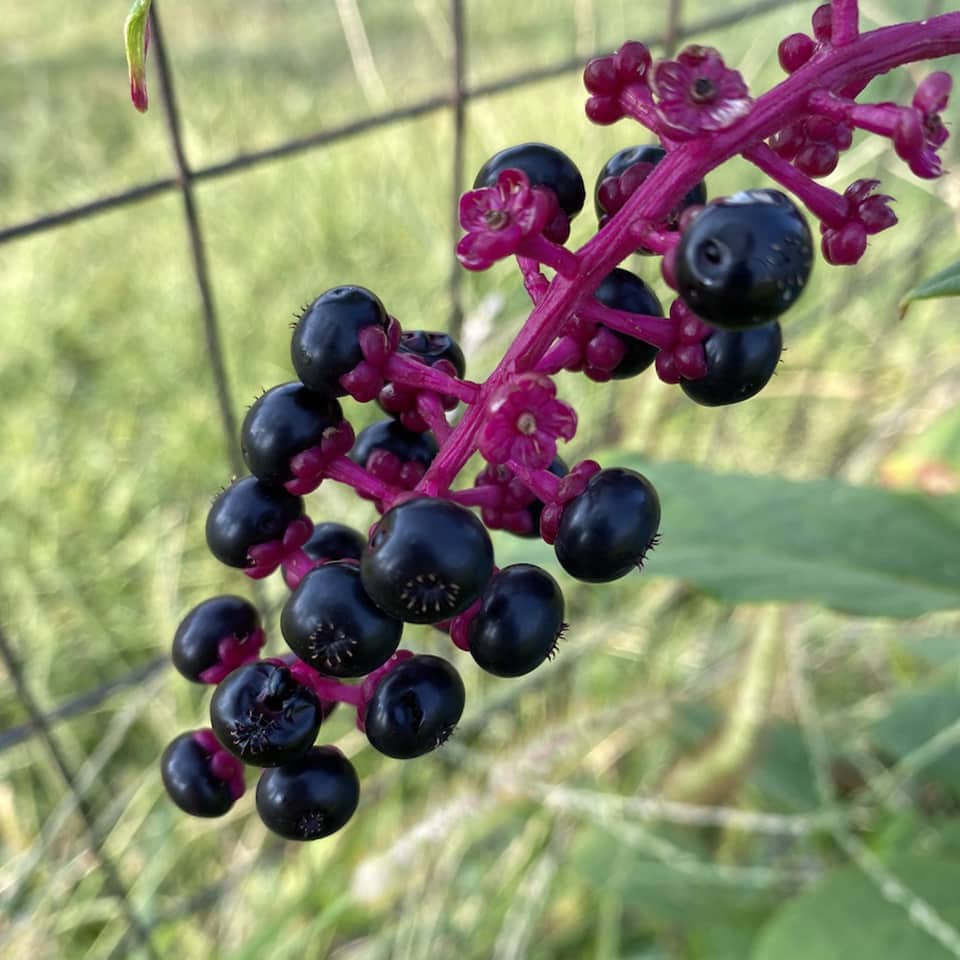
[(454, 100)]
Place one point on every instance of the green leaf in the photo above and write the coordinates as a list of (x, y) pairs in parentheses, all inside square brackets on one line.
[(946, 283), (845, 917), (860, 550)]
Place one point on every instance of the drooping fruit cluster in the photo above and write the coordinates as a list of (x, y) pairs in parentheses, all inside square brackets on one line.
[(734, 266)]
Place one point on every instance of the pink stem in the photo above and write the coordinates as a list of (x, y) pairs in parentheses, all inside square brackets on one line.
[(542, 483), (352, 474), (551, 254), (846, 22), (658, 331), (487, 495), (534, 281), (326, 688), (565, 351), (431, 409), (297, 564), (823, 203), (658, 241), (636, 102), (870, 54), (413, 373)]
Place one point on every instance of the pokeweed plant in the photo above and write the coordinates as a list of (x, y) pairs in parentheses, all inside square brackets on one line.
[(736, 264)]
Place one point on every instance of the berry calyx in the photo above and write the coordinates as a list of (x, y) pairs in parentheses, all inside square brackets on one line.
[(427, 560), (519, 621), (415, 707), (745, 259), (310, 797), (606, 531), (262, 715)]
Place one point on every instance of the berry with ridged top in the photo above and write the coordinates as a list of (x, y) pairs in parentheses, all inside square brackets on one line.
[(740, 363), (519, 621), (284, 422), (607, 530), (744, 259), (197, 642), (190, 781), (623, 173), (544, 166), (331, 623), (623, 290), (310, 797), (427, 560), (262, 715), (415, 707), (247, 513), (325, 343)]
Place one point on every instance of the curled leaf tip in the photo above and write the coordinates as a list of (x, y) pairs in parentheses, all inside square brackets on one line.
[(136, 31)]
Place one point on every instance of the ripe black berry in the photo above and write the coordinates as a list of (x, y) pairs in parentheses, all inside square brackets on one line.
[(285, 421), (427, 560), (740, 363), (310, 797), (196, 642), (545, 166), (606, 531), (519, 621), (415, 707), (432, 347), (390, 436), (263, 716), (744, 259), (331, 623), (188, 779), (330, 541), (625, 171), (325, 343), (623, 290), (247, 513)]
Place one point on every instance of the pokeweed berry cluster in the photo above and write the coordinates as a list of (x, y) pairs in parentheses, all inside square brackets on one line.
[(736, 264)]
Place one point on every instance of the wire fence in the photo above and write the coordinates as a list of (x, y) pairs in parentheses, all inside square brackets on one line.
[(183, 180)]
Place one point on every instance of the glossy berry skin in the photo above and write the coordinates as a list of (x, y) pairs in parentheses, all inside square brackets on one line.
[(740, 363), (392, 437), (609, 198), (325, 343), (285, 421), (310, 797), (247, 513), (427, 560), (196, 642), (545, 166), (414, 707), (330, 623), (744, 259), (606, 531), (262, 715), (623, 290), (189, 781), (519, 621), (431, 347), (331, 541)]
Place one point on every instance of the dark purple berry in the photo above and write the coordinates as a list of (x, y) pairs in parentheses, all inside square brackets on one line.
[(615, 185), (331, 623), (740, 363), (325, 343), (310, 797), (391, 437), (262, 715), (284, 422), (188, 779), (545, 166), (606, 531), (415, 707), (432, 347), (623, 290), (247, 513), (519, 621), (331, 541), (427, 560), (744, 259), (197, 640)]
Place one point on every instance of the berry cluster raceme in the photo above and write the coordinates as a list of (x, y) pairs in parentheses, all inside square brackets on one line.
[(734, 265)]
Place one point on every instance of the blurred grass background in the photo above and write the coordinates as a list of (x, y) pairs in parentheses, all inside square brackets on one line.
[(112, 447)]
